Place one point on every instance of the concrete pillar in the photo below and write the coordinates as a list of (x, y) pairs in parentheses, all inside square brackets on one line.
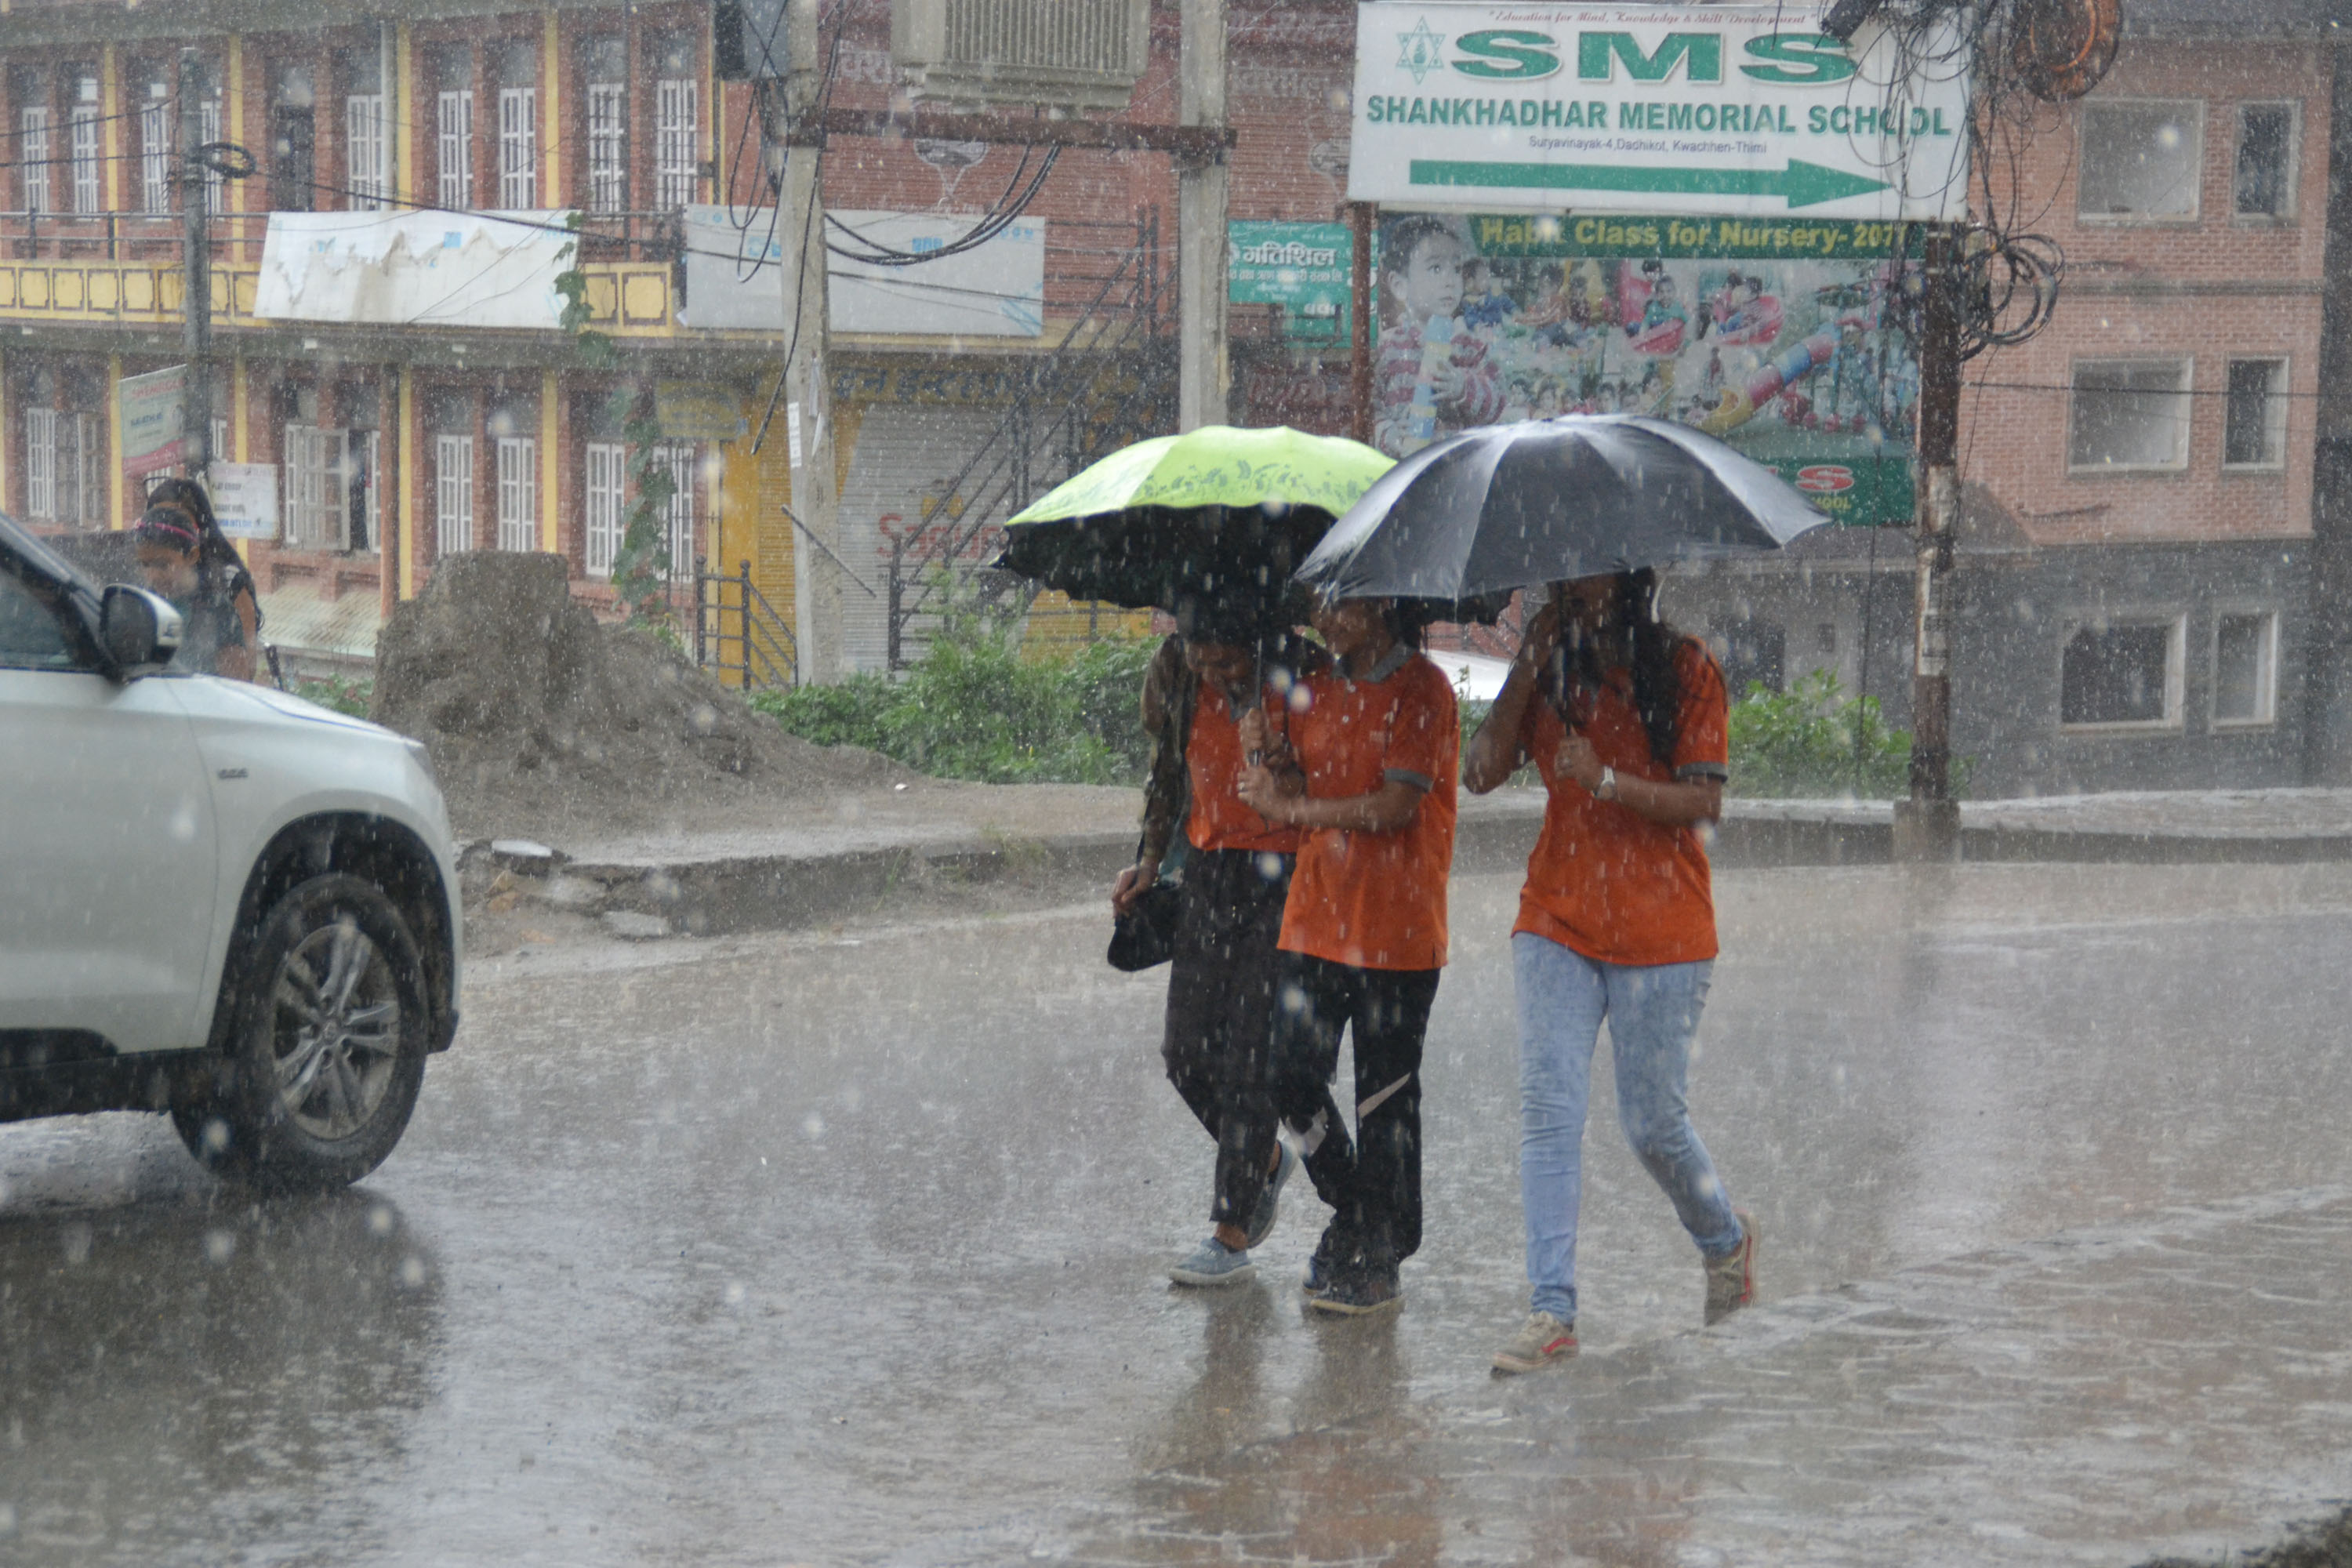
[(1201, 211)]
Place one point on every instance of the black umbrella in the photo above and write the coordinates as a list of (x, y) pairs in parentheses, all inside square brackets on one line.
[(1233, 563), (1492, 509)]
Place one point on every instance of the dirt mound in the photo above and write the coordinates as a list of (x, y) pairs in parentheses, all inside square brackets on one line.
[(544, 724)]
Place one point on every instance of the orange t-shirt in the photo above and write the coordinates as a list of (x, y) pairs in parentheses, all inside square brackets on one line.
[(1218, 819), (1375, 900), (1604, 880)]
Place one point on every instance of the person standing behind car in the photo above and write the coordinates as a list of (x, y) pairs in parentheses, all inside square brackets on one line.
[(1616, 922), (1236, 877), (187, 559), (1371, 781)]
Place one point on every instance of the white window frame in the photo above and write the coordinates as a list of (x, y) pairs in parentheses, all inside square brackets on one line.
[(316, 486), (518, 148), (33, 148), (2185, 418), (2275, 411), (608, 147), (517, 459), (155, 128), (2175, 643), (607, 497), (208, 121), (90, 440), (2293, 175), (2092, 108), (453, 494), (366, 446), (365, 148), (88, 153), (41, 464), (454, 148), (677, 142), (2267, 683), (683, 459)]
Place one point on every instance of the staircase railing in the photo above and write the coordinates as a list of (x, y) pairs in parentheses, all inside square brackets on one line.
[(737, 634)]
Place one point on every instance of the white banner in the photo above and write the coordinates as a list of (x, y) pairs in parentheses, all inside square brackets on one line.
[(1721, 110), (154, 413), (414, 269), (997, 290)]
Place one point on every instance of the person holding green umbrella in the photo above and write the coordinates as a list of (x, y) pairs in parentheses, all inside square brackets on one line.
[(1208, 527)]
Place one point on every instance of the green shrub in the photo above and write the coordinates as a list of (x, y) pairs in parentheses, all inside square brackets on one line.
[(975, 707), (345, 694), (1814, 741)]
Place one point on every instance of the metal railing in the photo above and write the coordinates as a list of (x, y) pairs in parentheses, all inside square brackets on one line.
[(737, 634), (1110, 382)]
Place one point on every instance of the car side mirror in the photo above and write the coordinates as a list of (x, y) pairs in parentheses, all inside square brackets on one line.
[(137, 627)]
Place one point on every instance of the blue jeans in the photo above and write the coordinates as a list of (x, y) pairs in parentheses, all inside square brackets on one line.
[(1653, 1010)]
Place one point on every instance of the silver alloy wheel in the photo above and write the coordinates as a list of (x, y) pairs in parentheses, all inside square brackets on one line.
[(334, 1030)]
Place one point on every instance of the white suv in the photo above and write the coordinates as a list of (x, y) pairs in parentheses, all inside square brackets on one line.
[(216, 901)]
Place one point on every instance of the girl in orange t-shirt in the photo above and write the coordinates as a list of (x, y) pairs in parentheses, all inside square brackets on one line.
[(1369, 776), (1624, 718)]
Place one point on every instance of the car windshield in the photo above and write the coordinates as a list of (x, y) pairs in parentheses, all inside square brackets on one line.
[(30, 637), (28, 547)]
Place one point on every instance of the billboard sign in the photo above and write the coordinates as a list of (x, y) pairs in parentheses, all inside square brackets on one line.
[(154, 411), (1784, 338), (244, 499), (1746, 111), (1305, 267)]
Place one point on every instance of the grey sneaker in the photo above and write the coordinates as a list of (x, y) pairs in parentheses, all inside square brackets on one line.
[(1212, 1263), (1731, 1278), (1269, 1201), (1541, 1340)]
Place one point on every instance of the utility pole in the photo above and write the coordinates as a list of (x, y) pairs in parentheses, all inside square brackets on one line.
[(789, 112), (197, 287), (1361, 345), (1200, 198), (1927, 826)]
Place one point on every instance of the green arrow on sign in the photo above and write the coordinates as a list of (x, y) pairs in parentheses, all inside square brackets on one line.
[(1805, 184)]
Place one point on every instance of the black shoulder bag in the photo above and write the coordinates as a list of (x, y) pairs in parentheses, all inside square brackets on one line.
[(1145, 937)]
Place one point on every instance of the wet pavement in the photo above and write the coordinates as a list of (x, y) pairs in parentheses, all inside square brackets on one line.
[(844, 1248)]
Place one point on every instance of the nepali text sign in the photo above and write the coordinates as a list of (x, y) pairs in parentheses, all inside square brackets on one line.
[(154, 413), (1305, 267), (1746, 110), (244, 499), (699, 411), (1784, 338)]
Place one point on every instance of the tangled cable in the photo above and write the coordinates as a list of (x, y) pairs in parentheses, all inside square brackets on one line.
[(998, 218)]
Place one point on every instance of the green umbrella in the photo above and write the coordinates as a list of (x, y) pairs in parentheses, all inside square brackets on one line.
[(1211, 524), (1218, 464)]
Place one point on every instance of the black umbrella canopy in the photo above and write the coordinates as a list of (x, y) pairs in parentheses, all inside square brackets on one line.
[(1492, 509), (1238, 560)]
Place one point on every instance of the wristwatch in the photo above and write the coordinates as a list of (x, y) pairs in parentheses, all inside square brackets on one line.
[(1607, 788)]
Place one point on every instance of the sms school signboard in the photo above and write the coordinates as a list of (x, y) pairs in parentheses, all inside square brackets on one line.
[(1733, 110)]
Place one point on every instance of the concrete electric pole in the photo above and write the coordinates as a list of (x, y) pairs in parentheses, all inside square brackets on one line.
[(791, 110), (1200, 196), (1928, 825), (197, 284)]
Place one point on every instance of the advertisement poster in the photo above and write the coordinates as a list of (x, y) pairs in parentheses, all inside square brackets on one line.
[(244, 499), (1745, 110), (1778, 337), (153, 407)]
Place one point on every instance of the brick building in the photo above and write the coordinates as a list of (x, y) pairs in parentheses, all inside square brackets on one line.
[(400, 431), (2136, 567)]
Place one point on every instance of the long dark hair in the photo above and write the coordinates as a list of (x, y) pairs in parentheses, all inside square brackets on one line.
[(1652, 648), (219, 568)]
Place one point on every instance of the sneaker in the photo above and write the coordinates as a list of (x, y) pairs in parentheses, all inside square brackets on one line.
[(1731, 1278), (1269, 1201), (1212, 1263), (1541, 1340), (1358, 1293), (1324, 1267)]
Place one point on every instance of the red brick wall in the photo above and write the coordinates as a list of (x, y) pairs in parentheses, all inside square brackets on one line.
[(2213, 289)]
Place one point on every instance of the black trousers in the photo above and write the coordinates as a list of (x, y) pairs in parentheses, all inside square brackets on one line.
[(1374, 1186), (1221, 1014)]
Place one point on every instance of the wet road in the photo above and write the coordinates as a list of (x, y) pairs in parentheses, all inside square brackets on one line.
[(846, 1247)]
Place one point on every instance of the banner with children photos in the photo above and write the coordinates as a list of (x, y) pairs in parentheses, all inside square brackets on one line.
[(1779, 336)]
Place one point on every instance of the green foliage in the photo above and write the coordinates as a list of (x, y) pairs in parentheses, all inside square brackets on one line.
[(1813, 740), (977, 707), (641, 566), (345, 694)]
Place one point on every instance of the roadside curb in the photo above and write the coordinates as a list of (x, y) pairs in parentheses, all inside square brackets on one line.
[(733, 892)]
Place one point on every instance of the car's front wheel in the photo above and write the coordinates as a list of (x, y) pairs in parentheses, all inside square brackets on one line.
[(326, 1044)]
